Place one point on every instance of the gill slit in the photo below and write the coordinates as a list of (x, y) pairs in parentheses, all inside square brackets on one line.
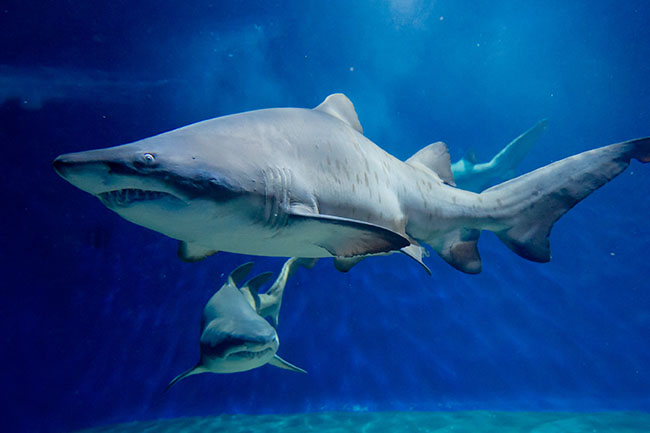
[(277, 196)]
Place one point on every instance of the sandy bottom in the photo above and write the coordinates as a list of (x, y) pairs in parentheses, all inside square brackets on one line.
[(395, 422)]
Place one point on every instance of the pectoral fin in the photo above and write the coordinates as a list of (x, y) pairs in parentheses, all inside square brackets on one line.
[(344, 237), (281, 363), (197, 369)]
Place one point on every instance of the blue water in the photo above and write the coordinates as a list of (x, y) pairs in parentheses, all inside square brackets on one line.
[(97, 314)]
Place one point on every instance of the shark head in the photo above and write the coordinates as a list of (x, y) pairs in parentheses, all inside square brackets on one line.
[(173, 183), (230, 345), (234, 337)]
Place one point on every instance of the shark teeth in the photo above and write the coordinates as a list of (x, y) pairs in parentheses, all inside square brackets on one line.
[(250, 355), (125, 197)]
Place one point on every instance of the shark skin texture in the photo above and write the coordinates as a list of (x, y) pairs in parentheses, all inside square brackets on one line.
[(295, 182)]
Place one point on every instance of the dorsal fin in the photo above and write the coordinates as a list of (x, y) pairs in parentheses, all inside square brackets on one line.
[(339, 106), (258, 281), (238, 275), (434, 157), (251, 288)]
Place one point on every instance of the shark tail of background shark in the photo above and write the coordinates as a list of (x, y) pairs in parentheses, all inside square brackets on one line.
[(194, 370), (509, 158), (522, 211)]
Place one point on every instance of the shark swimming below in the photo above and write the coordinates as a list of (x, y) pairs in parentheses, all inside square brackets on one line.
[(307, 183), (234, 333)]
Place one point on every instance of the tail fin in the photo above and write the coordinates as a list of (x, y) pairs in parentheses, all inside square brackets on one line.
[(525, 208), (271, 301)]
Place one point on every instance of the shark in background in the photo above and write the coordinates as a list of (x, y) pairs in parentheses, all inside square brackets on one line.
[(34, 87), (471, 175), (307, 183), (235, 335)]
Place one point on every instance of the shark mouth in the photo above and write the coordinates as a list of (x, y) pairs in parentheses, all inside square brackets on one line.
[(246, 354), (128, 196)]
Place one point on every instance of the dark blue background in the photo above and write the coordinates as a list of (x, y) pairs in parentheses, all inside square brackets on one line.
[(97, 314)]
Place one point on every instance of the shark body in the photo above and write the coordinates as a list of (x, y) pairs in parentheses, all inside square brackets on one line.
[(308, 183), (235, 335)]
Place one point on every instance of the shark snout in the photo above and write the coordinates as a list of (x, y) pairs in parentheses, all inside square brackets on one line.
[(85, 170), (64, 163)]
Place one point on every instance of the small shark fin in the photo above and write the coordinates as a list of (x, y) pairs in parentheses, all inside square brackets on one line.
[(344, 237), (511, 156), (276, 361), (339, 106), (460, 250), (251, 288), (239, 273), (344, 264), (198, 368), (188, 252), (417, 252), (434, 157), (258, 281), (271, 301)]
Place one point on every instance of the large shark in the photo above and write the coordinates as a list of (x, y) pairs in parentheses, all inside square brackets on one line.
[(477, 176), (308, 183), (234, 333)]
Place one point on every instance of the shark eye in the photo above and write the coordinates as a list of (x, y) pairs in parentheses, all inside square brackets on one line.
[(148, 157)]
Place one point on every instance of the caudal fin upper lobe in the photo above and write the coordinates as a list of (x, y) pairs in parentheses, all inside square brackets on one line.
[(525, 208)]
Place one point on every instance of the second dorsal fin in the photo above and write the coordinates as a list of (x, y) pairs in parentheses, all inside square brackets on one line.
[(434, 157)]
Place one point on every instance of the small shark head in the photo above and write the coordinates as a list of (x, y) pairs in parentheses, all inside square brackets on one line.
[(234, 337), (229, 346), (163, 182)]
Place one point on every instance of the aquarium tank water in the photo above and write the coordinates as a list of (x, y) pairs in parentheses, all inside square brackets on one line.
[(99, 314)]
